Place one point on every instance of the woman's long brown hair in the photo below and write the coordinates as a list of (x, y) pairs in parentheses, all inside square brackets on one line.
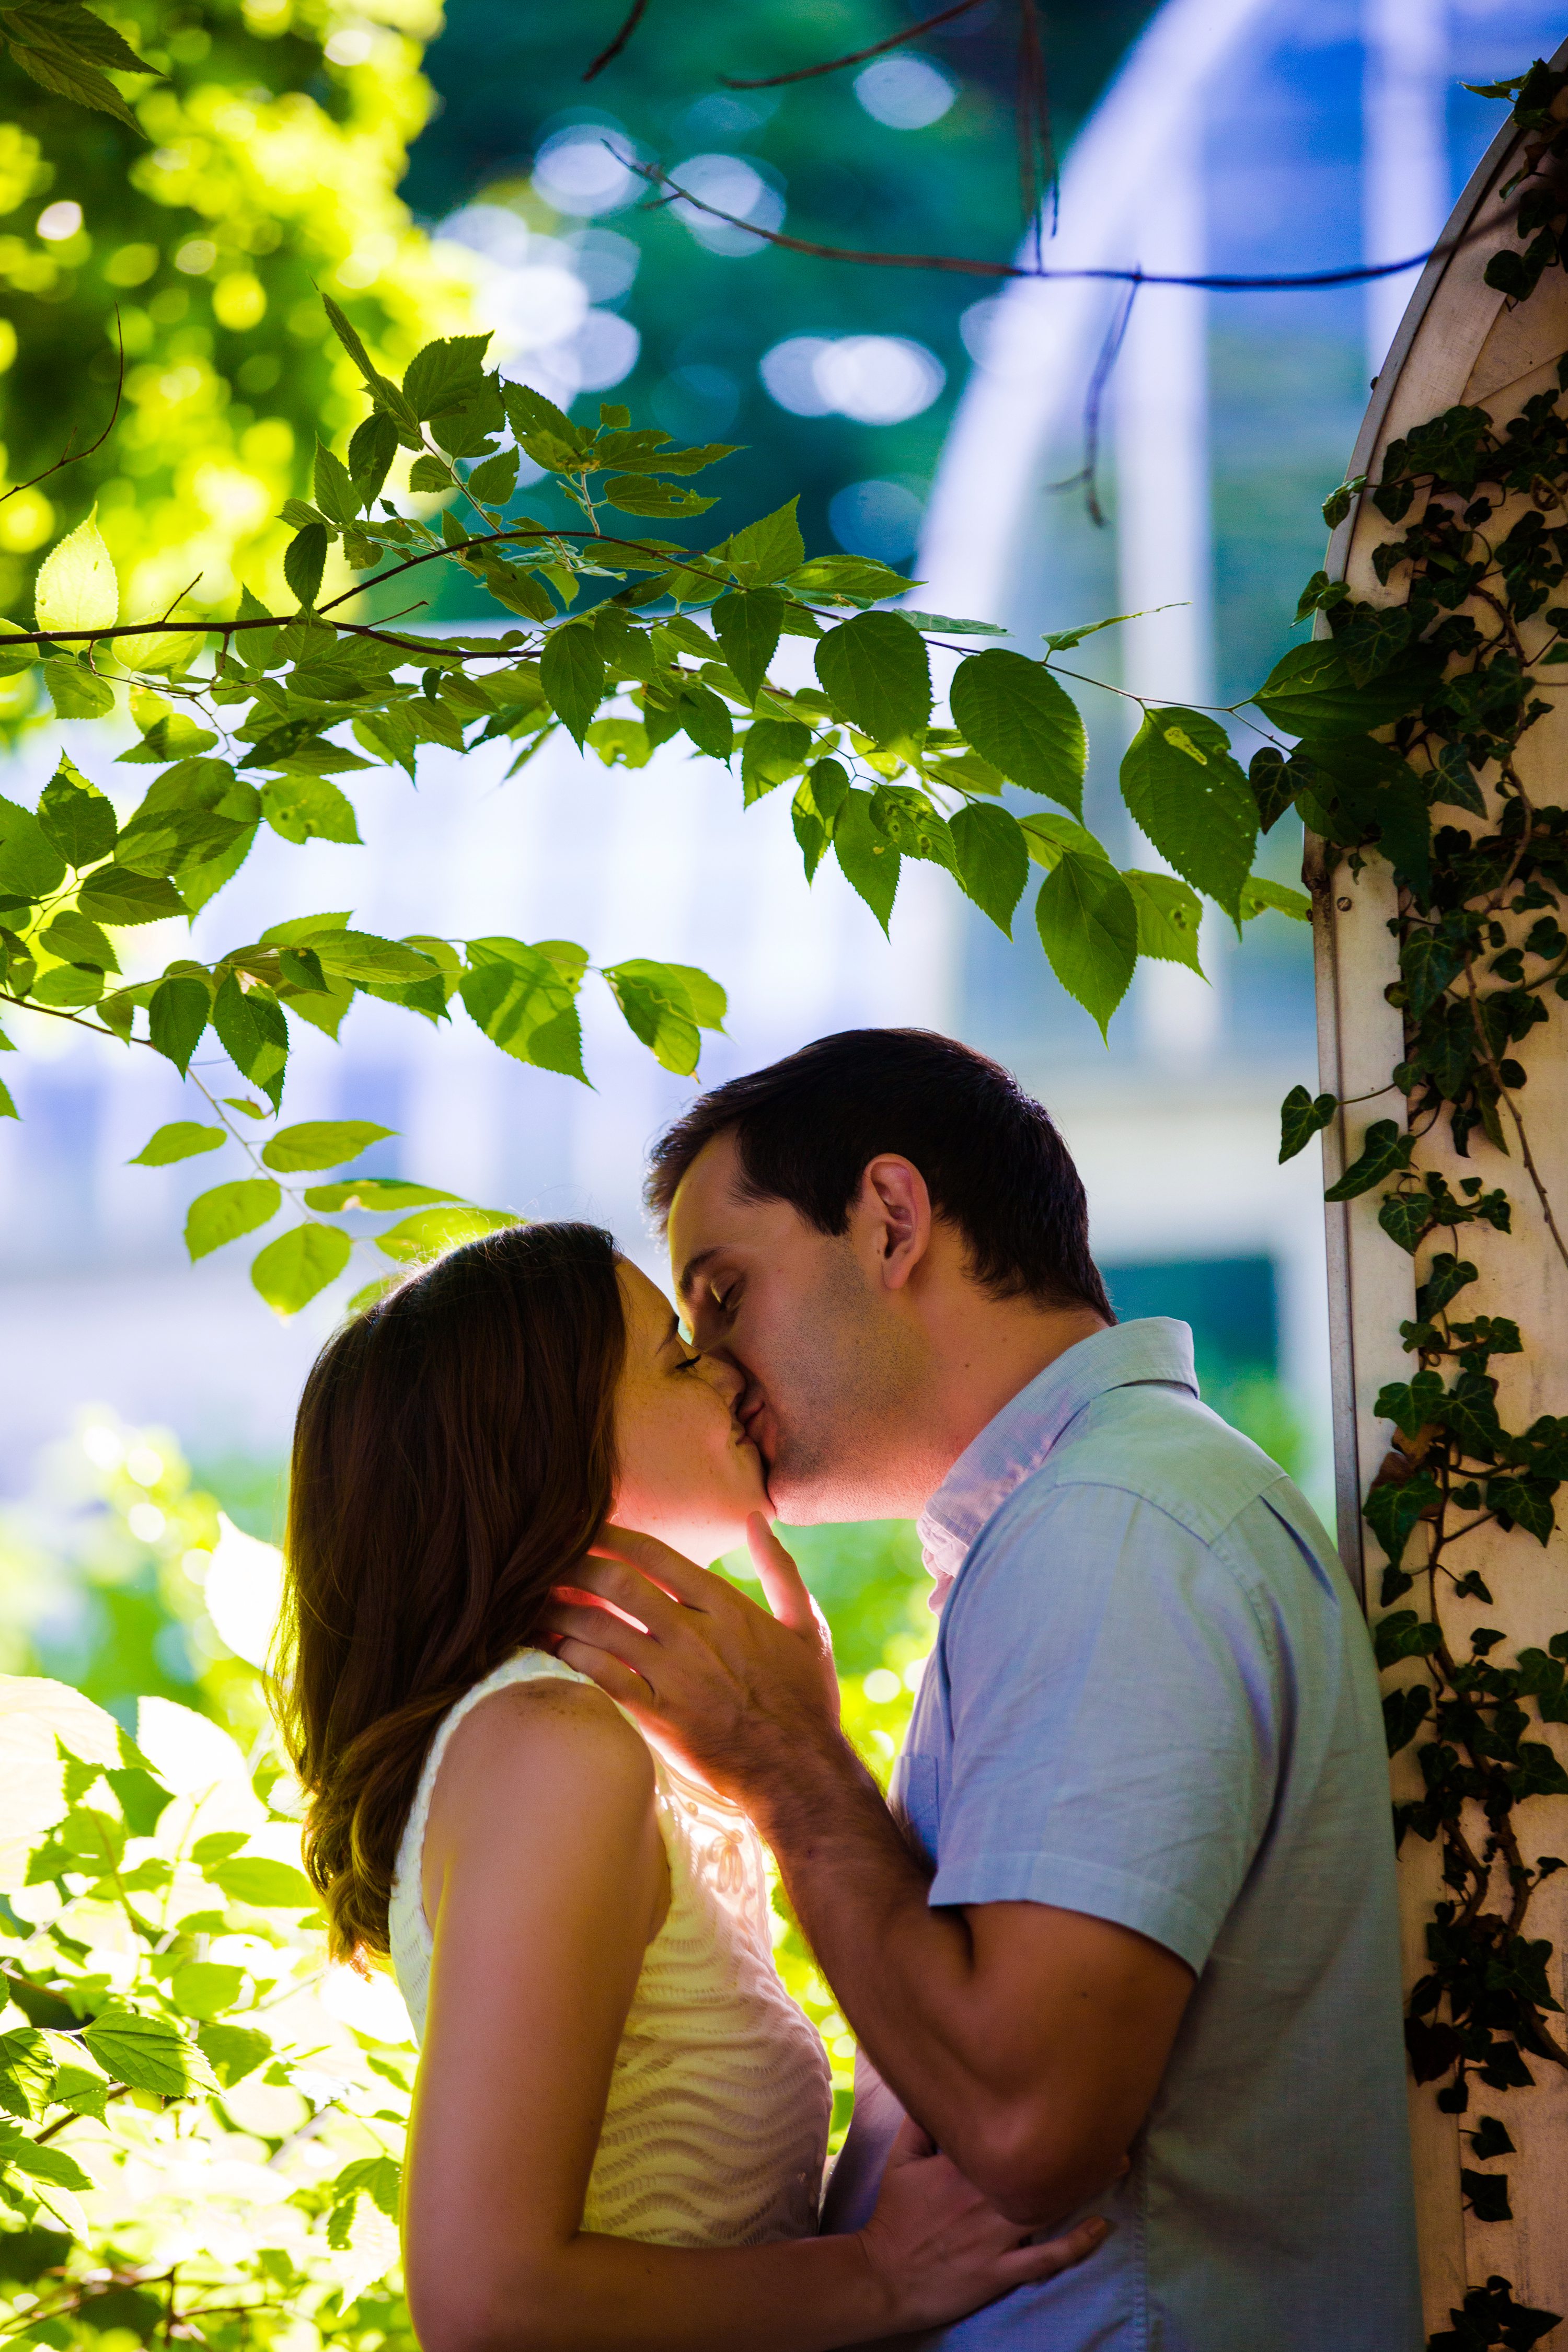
[(454, 1456)]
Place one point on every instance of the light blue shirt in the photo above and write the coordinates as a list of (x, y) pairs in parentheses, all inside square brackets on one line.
[(1152, 1699)]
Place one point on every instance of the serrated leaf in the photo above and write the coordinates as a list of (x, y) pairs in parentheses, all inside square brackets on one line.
[(150, 2053), (228, 1211), (572, 673), (1185, 791), (1310, 691), (446, 375), (291, 1271), (76, 587), (867, 858), (30, 865), (1261, 895), (525, 1001), (264, 1884), (495, 481), (1087, 924), (768, 549), (992, 860), (1019, 718), (233, 2051), (177, 1019), (253, 1033), (382, 1195), (1169, 914), (859, 578), (748, 627), (77, 691), (66, 77), (308, 808), (635, 494), (76, 819), (665, 1005), (118, 897), (70, 935), (304, 560), (875, 669), (321, 1143), (431, 1233)]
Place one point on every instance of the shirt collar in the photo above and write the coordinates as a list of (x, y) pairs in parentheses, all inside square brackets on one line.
[(1014, 1442)]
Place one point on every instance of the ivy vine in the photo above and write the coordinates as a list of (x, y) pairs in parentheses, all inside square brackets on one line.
[(1437, 691)]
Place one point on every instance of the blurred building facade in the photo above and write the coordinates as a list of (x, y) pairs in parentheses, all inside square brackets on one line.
[(1241, 136)]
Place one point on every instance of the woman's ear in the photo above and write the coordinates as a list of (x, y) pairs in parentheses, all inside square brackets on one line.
[(895, 1204)]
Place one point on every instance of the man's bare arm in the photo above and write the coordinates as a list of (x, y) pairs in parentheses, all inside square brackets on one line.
[(1028, 2041)]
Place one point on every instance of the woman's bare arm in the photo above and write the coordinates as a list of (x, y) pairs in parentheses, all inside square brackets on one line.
[(544, 1877)]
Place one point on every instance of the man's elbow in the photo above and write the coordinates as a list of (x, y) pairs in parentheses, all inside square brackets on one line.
[(1034, 2169)]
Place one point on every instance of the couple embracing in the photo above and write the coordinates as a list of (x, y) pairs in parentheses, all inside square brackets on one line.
[(1122, 1953)]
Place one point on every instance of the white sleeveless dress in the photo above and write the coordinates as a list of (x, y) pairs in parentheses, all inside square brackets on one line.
[(715, 2132)]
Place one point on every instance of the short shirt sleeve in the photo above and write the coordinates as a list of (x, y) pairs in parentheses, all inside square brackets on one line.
[(1116, 1704)]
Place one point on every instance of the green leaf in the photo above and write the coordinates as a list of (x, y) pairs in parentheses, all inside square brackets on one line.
[(1087, 923), (815, 809), (1385, 1150), (253, 1033), (321, 1143), (291, 1271), (1310, 691), (772, 750), (26, 2071), (150, 2053), (432, 1232), (205, 1988), (377, 2176), (76, 819), (308, 808), (381, 1194), (1048, 837), (495, 481), (876, 671), (30, 865), (446, 375), (177, 1019), (829, 578), (228, 1212), (77, 588), (334, 490), (72, 936), (665, 1005), (707, 721), (77, 692), (992, 860), (1168, 916), (263, 1884), (347, 954), (1403, 1712), (54, 68), (1303, 1115), (767, 549), (930, 622), (866, 857), (747, 627), (525, 1001), (572, 672), (1185, 789), (117, 896), (1260, 896), (233, 2051), (371, 448), (304, 560), (1275, 779), (1019, 719), (51, 2165), (635, 494)]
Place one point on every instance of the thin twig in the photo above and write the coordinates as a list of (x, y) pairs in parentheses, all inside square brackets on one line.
[(836, 65), (634, 17), (74, 456), (1094, 401)]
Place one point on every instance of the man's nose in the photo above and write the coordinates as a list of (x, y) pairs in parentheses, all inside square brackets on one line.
[(723, 1376)]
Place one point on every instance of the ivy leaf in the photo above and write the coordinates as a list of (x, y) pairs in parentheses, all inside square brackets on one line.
[(304, 560), (76, 587), (867, 858), (321, 1143), (769, 550), (1303, 1115), (993, 861), (748, 627), (1184, 788), (1275, 779), (1023, 722), (229, 1210), (876, 671), (1168, 916), (76, 818), (253, 1033), (182, 1140), (1386, 1149), (1088, 922), (1403, 1712), (291, 1271), (177, 1019), (572, 673)]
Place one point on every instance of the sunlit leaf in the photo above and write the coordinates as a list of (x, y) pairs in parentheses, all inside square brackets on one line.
[(291, 1271), (77, 588), (182, 1140), (321, 1143), (229, 1210), (1089, 927)]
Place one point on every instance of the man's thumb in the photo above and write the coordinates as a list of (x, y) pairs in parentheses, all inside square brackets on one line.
[(788, 1599)]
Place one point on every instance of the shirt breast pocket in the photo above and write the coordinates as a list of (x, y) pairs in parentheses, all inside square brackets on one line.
[(916, 1798)]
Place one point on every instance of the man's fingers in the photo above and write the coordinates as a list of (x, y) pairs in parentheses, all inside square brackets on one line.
[(781, 1580), (675, 1574), (626, 1589), (600, 1631), (615, 1680), (1056, 2253)]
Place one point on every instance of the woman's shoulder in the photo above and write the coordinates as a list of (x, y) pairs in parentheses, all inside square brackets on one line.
[(536, 1726)]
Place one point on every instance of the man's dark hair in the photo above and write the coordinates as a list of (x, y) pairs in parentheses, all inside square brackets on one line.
[(996, 1168)]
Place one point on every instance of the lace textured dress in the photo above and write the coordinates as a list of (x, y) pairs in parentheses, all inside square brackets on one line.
[(715, 2131)]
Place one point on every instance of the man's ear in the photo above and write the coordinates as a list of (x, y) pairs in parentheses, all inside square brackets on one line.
[(896, 1206)]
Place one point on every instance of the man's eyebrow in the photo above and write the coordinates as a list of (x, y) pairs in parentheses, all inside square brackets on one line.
[(693, 1267)]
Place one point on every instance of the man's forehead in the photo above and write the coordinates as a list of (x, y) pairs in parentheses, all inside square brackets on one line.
[(712, 1213)]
